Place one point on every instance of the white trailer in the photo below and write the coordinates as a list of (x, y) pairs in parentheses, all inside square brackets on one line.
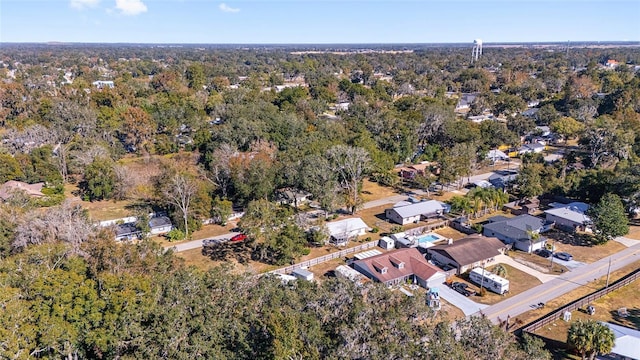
[(489, 280)]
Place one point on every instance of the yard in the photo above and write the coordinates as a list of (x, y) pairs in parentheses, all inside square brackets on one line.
[(100, 210), (537, 262), (374, 191), (580, 247), (519, 281)]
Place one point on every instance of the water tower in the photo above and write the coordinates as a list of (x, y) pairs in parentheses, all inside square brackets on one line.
[(477, 50)]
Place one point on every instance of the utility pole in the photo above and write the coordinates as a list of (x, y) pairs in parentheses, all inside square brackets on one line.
[(608, 272)]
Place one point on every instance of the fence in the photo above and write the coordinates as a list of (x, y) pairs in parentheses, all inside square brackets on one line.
[(577, 304), (426, 228), (325, 258)]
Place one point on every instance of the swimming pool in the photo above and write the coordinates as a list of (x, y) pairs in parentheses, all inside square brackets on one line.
[(428, 238)]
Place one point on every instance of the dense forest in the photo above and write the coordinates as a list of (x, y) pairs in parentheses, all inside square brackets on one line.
[(196, 132)]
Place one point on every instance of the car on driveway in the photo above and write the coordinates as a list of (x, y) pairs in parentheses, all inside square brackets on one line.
[(563, 256), (462, 288), (543, 252), (239, 237)]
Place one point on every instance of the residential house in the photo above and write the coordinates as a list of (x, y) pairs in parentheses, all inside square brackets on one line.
[(465, 101), (160, 225), (502, 178), (10, 187), (626, 345), (292, 197), (425, 168), (103, 84), (341, 231), (533, 148), (522, 232), (495, 155), (399, 266), (127, 232), (570, 217), (525, 206), (467, 253), (413, 213), (480, 118)]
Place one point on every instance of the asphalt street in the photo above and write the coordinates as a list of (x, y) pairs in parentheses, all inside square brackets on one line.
[(563, 284)]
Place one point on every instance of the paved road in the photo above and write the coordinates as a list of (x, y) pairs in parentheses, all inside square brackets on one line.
[(460, 301), (561, 285), (189, 245)]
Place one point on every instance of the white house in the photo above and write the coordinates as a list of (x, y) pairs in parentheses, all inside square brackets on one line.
[(627, 343), (103, 84), (494, 155), (570, 217), (415, 212), (534, 148), (342, 230), (160, 225)]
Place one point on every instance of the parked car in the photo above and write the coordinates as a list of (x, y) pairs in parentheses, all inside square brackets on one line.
[(563, 256), (239, 237), (543, 252), (462, 288)]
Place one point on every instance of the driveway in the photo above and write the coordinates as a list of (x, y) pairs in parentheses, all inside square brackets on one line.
[(460, 301), (572, 264), (190, 245)]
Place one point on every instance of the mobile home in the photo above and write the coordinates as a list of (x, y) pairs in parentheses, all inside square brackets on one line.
[(489, 280)]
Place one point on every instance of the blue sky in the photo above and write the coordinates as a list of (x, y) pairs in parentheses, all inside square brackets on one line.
[(313, 21)]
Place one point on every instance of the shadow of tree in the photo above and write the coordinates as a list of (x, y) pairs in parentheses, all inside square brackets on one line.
[(632, 318), (240, 251)]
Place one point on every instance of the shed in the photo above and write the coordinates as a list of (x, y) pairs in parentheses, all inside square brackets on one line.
[(303, 274), (386, 243)]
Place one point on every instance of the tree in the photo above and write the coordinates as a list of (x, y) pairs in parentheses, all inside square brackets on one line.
[(590, 338), (9, 168), (567, 127), (609, 218), (137, 127), (99, 180), (529, 180), (179, 191), (350, 163)]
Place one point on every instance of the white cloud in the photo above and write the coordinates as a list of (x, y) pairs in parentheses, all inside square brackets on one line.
[(81, 4), (226, 8), (131, 7)]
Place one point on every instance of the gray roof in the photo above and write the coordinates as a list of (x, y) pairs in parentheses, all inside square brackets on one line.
[(570, 213), (126, 229), (626, 343), (425, 207), (515, 228), (159, 221)]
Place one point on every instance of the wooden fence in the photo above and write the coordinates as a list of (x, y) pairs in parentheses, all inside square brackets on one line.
[(325, 258), (577, 304)]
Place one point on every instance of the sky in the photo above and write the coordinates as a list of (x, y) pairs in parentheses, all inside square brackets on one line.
[(317, 21)]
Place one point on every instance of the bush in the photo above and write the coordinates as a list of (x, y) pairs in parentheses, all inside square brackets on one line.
[(375, 230), (396, 229), (482, 292), (175, 235)]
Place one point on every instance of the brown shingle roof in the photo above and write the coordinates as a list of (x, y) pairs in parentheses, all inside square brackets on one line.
[(471, 249), (414, 263)]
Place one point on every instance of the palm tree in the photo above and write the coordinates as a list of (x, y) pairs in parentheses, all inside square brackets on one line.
[(476, 194), (590, 338), (500, 270), (461, 204)]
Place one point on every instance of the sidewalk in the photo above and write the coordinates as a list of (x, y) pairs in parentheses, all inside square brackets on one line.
[(504, 259)]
